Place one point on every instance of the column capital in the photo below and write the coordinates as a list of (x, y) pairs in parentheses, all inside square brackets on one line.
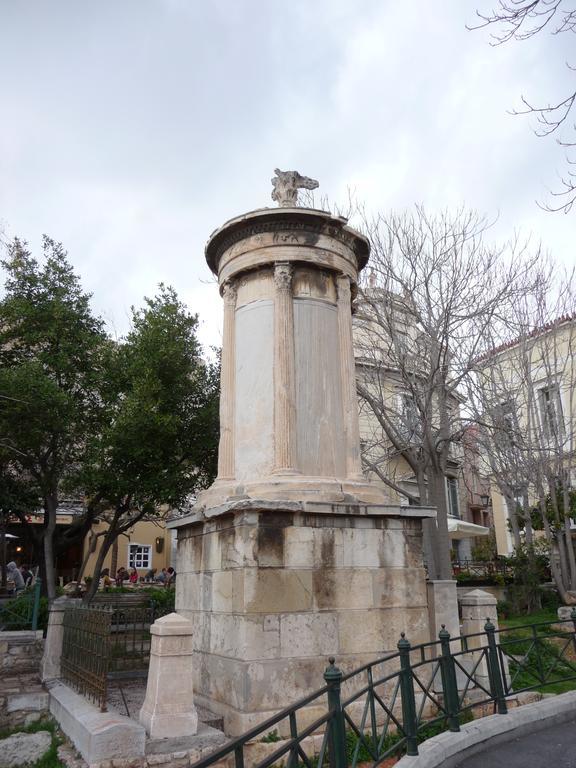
[(229, 292), (283, 274), (344, 288)]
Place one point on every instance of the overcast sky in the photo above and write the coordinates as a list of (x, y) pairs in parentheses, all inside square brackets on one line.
[(130, 129)]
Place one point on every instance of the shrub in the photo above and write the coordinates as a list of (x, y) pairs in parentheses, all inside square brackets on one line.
[(17, 613)]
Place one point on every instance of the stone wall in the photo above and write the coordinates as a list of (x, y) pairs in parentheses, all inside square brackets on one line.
[(22, 698), (273, 594)]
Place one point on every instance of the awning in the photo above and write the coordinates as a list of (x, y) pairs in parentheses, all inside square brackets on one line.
[(462, 529)]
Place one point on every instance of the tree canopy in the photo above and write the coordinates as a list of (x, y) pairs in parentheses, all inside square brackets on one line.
[(130, 426)]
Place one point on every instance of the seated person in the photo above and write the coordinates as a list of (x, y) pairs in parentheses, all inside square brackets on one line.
[(162, 576), (13, 574), (27, 575), (171, 580), (106, 581), (133, 576), (121, 576)]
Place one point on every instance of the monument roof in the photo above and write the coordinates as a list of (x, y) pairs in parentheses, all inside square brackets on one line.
[(309, 220)]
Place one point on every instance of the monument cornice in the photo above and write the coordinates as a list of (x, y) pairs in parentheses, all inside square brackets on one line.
[(310, 222)]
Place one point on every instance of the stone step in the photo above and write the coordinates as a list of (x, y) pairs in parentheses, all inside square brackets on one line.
[(31, 701), (211, 719), (28, 682)]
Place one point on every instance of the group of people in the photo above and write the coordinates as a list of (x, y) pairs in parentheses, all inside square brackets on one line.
[(166, 577), (20, 576)]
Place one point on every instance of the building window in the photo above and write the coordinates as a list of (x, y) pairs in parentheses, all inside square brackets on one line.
[(452, 495), (551, 411), (139, 555)]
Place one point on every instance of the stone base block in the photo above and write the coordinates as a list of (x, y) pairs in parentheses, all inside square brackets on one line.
[(32, 702), (565, 612), (273, 592), (98, 736), (169, 726)]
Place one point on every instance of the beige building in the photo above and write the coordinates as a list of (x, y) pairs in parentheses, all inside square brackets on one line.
[(146, 546), (528, 391)]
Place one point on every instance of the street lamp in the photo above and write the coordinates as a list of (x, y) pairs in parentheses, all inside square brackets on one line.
[(484, 499)]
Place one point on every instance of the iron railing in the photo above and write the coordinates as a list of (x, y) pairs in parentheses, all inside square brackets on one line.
[(130, 641), (21, 612), (102, 642), (482, 570), (86, 651), (390, 705)]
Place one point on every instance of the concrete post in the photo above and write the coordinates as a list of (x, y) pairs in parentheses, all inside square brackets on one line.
[(168, 710), (477, 606), (50, 664)]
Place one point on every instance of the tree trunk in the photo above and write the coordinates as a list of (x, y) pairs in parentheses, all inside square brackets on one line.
[(528, 530), (50, 507), (3, 555), (440, 537), (428, 529), (513, 518), (568, 535), (555, 570), (89, 550), (114, 558), (105, 546)]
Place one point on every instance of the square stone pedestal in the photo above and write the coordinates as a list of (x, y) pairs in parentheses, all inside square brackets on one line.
[(273, 589)]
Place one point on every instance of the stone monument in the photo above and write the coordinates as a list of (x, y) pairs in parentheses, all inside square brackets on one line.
[(292, 555)]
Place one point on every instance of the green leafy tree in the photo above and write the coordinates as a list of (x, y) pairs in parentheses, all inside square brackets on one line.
[(160, 440), (17, 498), (50, 378)]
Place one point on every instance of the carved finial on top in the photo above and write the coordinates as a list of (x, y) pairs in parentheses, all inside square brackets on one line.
[(286, 185)]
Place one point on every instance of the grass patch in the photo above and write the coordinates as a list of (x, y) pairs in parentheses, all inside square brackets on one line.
[(271, 738), (50, 758), (544, 659), (425, 731), (545, 614)]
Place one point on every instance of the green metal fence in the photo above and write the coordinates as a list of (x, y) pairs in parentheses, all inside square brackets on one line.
[(21, 611), (388, 706)]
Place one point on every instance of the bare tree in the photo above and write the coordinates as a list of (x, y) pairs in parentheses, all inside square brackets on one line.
[(422, 320), (526, 390), (522, 20)]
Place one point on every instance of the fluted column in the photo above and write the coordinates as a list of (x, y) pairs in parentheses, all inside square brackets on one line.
[(227, 385), (284, 377), (348, 379)]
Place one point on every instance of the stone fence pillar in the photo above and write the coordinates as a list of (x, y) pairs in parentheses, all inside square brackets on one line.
[(168, 710), (50, 666), (478, 605)]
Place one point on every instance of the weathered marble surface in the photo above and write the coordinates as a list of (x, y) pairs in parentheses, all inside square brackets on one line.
[(292, 555), (271, 594)]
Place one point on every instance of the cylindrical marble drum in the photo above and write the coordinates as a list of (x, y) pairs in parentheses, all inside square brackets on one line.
[(288, 407)]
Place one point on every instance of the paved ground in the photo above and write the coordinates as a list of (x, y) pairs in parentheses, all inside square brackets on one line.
[(551, 748), (126, 697)]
